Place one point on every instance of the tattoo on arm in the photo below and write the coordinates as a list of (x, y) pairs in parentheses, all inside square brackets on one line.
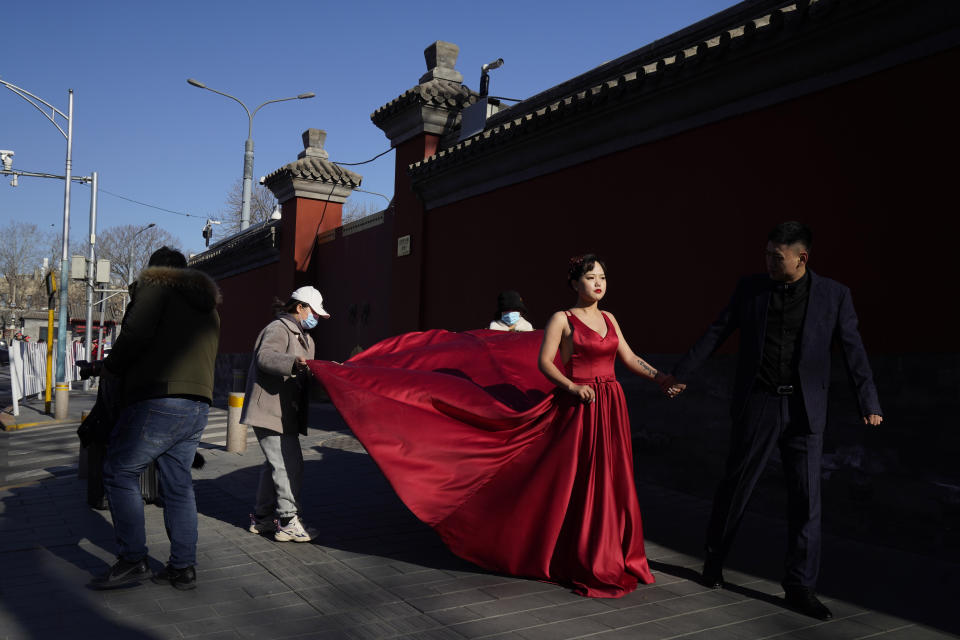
[(646, 368)]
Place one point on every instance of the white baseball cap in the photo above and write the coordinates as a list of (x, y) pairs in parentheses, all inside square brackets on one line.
[(313, 298)]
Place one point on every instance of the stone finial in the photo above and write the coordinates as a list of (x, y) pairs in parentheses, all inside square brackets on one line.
[(313, 140), (441, 59)]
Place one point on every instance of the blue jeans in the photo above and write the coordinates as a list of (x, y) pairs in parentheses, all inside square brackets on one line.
[(166, 430)]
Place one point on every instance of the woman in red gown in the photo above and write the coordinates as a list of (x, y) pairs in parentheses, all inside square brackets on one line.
[(516, 472)]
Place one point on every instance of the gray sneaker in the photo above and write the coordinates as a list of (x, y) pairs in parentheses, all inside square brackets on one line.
[(265, 524), (293, 531)]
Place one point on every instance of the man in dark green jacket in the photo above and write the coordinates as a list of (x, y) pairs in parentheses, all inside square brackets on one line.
[(164, 357)]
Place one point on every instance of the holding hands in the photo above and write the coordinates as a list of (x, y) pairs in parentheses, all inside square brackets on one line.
[(669, 385)]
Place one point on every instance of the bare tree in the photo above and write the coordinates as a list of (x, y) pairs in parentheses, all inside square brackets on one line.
[(128, 248), (262, 205), (21, 258), (354, 210)]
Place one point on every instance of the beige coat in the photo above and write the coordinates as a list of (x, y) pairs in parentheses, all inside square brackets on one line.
[(276, 398)]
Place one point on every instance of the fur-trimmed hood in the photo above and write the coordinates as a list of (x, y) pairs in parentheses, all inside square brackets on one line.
[(195, 286)]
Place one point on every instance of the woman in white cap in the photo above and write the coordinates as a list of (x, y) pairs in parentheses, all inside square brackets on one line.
[(275, 405)]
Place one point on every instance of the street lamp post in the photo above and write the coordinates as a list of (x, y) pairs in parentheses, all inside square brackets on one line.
[(62, 398), (133, 243), (248, 146), (91, 267)]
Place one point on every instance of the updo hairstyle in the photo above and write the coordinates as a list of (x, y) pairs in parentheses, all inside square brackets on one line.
[(582, 264)]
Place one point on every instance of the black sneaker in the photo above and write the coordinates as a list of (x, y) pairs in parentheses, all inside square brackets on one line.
[(122, 573), (183, 579)]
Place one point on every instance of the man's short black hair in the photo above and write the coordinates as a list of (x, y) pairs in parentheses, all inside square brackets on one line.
[(792, 232), (167, 257)]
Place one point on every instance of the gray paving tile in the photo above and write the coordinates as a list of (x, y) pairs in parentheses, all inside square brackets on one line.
[(881, 621), (574, 628), (516, 604), (645, 631), (517, 588), (449, 600), (918, 632), (846, 629), (631, 616), (513, 622), (584, 607), (455, 615), (243, 603)]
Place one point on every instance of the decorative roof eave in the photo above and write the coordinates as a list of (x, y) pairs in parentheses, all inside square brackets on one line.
[(312, 175), (251, 248), (436, 93), (316, 170), (700, 75), (434, 105)]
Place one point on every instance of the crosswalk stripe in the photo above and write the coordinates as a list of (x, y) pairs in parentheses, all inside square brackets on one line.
[(53, 450)]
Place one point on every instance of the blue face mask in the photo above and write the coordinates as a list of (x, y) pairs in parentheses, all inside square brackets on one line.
[(309, 322), (510, 318)]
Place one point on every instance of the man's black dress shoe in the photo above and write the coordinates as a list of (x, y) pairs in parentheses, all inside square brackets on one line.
[(712, 576), (802, 600), (122, 573)]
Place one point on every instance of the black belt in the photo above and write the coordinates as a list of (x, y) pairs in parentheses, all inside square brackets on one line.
[(783, 390)]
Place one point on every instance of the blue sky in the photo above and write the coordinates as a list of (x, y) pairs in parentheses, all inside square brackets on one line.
[(155, 139)]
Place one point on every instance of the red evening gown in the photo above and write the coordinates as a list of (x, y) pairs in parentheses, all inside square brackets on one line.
[(513, 474)]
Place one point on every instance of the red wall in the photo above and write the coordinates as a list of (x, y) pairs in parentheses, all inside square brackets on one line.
[(865, 164), (354, 277), (247, 307)]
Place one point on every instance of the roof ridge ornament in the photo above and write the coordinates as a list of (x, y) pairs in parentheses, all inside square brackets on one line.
[(313, 141), (441, 58)]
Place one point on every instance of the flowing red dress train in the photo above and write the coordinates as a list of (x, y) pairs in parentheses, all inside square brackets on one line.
[(514, 475)]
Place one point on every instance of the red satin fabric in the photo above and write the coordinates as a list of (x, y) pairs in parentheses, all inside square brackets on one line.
[(514, 475)]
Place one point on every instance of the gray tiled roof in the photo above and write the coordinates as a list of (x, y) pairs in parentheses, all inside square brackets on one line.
[(436, 92), (319, 169)]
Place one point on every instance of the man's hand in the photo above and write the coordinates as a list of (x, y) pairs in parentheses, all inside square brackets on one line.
[(675, 390), (873, 420)]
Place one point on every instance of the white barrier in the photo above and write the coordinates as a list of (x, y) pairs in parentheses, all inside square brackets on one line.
[(28, 368)]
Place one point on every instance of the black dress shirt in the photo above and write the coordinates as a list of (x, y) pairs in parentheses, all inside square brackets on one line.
[(781, 347)]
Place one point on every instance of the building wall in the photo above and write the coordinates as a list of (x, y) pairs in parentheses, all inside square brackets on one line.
[(678, 220), (353, 272), (247, 306)]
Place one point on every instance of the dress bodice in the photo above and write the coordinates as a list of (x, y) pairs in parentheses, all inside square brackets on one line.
[(593, 355)]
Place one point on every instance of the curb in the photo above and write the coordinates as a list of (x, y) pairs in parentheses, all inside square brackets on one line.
[(27, 425)]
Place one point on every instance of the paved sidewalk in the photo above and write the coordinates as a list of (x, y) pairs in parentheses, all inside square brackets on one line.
[(374, 571)]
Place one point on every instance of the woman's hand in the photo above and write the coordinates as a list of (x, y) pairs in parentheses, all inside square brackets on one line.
[(300, 366), (585, 393)]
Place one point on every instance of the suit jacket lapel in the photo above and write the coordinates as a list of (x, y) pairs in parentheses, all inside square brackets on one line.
[(815, 303)]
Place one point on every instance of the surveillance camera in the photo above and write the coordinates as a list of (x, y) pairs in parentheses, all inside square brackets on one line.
[(6, 156), (496, 64)]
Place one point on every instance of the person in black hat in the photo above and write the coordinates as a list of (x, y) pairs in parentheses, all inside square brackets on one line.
[(510, 312)]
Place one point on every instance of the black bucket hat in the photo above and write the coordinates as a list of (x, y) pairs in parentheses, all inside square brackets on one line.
[(510, 301)]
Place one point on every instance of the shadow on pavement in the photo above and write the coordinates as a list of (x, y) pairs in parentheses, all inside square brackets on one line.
[(47, 558)]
